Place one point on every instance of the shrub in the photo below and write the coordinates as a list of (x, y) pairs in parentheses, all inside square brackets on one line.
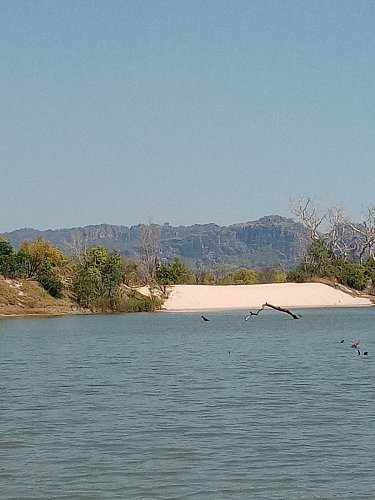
[(175, 273), (49, 280), (303, 272), (351, 274)]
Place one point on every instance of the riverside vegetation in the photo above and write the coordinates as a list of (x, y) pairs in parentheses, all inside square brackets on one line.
[(39, 278)]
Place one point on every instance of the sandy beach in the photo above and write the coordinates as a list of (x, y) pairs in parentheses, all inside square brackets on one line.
[(209, 297)]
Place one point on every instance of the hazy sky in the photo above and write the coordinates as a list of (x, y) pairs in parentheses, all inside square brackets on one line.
[(183, 111)]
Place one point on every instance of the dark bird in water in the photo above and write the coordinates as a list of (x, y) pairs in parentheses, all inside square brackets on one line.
[(355, 344), (365, 353), (204, 318), (341, 341), (359, 352)]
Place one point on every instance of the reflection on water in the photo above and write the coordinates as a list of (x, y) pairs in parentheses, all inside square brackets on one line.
[(168, 406)]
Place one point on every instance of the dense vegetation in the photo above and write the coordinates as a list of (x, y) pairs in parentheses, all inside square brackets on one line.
[(321, 263), (100, 280), (343, 252), (97, 279)]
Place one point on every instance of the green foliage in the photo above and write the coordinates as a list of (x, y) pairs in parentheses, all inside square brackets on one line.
[(243, 276), (300, 274), (203, 277), (49, 280), (97, 280), (280, 277), (319, 259), (112, 273), (369, 268), (351, 274), (6, 250), (6, 257), (33, 255), (221, 275), (174, 273), (133, 301), (34, 260), (319, 263), (271, 275)]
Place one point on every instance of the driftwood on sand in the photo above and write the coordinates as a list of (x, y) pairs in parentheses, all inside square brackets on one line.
[(277, 308)]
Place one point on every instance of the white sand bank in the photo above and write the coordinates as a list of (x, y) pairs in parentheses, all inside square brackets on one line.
[(208, 297)]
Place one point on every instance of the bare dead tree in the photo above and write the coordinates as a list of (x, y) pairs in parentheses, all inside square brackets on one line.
[(363, 235), (77, 245), (335, 233), (339, 239), (310, 214), (149, 240)]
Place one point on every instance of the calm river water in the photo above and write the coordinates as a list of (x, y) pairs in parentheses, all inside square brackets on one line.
[(166, 406)]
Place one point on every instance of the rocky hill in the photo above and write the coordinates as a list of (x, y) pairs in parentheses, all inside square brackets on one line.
[(269, 241)]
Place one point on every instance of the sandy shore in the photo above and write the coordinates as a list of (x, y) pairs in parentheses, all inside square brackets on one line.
[(208, 297)]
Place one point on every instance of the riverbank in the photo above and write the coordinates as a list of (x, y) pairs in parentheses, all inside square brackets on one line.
[(210, 297), (25, 299), (20, 298)]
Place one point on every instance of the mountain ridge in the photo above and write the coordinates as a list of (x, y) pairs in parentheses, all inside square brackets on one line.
[(271, 240)]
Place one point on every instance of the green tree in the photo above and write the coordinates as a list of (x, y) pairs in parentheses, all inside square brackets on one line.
[(244, 276), (319, 259), (369, 269), (271, 275), (38, 260), (49, 279), (34, 254), (222, 275), (6, 257), (317, 263), (98, 277), (203, 277), (174, 273), (111, 276), (351, 274), (300, 273)]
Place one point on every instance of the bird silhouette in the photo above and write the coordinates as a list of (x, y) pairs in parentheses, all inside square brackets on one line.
[(204, 318)]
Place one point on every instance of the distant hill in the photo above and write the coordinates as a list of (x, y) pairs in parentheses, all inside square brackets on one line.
[(266, 242)]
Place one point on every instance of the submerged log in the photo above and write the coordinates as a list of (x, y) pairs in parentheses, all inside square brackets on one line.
[(277, 308)]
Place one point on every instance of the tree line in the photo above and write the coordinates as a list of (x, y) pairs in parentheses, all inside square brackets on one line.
[(102, 280), (94, 279), (339, 249)]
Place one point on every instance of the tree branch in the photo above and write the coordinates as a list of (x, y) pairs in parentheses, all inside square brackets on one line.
[(277, 308)]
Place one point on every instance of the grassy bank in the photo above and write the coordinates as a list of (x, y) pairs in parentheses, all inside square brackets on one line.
[(18, 297), (27, 297)]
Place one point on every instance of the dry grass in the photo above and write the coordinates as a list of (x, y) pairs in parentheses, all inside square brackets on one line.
[(18, 297), (26, 297)]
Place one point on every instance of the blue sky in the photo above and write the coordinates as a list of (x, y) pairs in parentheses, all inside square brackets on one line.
[(183, 111)]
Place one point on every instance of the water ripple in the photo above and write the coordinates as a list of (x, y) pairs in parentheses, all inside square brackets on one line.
[(155, 406)]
